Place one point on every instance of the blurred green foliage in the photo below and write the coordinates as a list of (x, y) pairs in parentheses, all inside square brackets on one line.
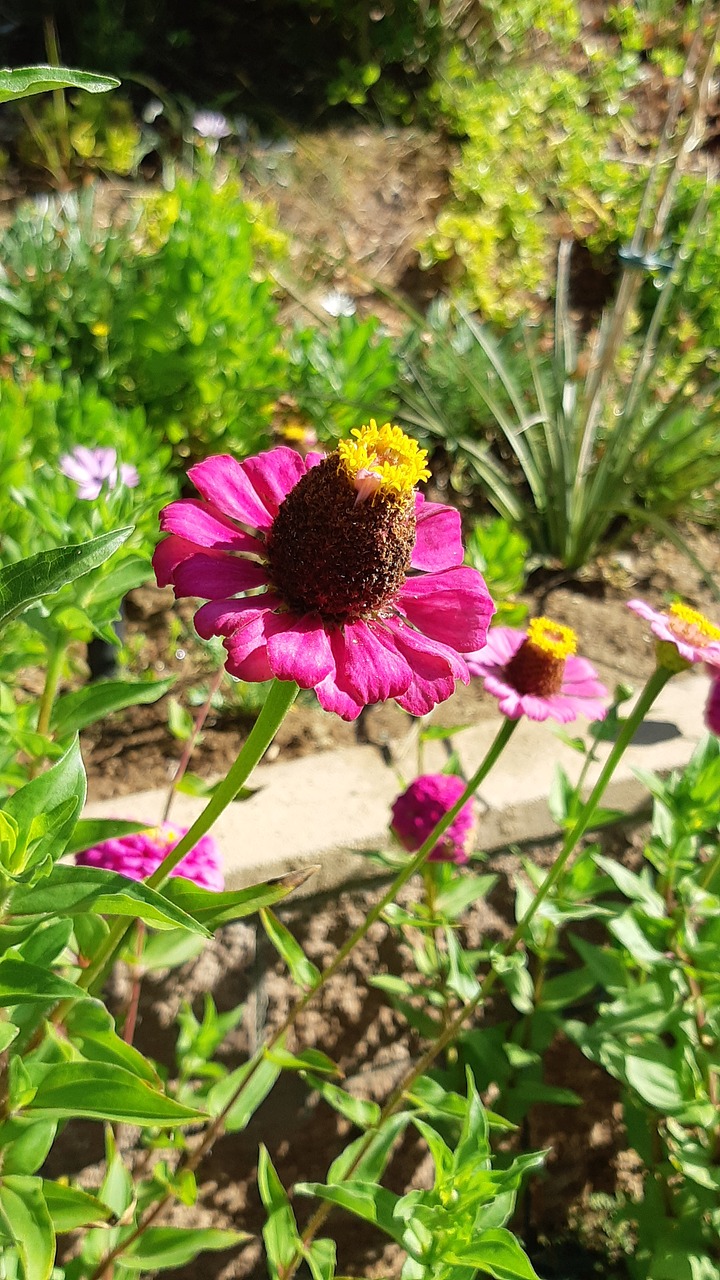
[(343, 376), (170, 309)]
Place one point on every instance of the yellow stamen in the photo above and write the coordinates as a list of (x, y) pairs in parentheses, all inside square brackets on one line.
[(552, 638), (385, 455), (163, 836), (100, 329), (692, 626)]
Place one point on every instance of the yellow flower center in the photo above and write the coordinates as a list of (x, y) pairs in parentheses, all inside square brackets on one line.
[(552, 638), (383, 460), (692, 626), (163, 837)]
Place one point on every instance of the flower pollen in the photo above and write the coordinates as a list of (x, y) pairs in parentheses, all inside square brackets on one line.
[(328, 554), (692, 626), (538, 666), (383, 460)]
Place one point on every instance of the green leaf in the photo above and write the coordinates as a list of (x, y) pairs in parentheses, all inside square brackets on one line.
[(8, 1032), (656, 1082), (459, 895), (71, 890), (260, 1081), (23, 82), (213, 909), (497, 1253), (91, 831), (304, 1060), (26, 1221), (280, 1231), (25, 1143), (25, 983), (91, 1027), (321, 1257), (75, 711), (363, 1113), (303, 971), (365, 1200), (70, 1207), (60, 790), (104, 1091), (375, 1152), (41, 575), (161, 1247)]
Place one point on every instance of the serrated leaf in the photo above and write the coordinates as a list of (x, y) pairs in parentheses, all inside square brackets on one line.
[(75, 711), (45, 573), (23, 82)]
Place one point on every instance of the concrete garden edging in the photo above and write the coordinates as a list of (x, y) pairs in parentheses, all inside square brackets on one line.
[(321, 810)]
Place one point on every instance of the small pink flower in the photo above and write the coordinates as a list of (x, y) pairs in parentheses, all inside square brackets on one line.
[(137, 856), (712, 708), (361, 596), (536, 673), (419, 809), (693, 635), (92, 469)]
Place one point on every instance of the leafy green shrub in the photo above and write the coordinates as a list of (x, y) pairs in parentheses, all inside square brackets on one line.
[(562, 464), (343, 376), (171, 310), (88, 133), (539, 150), (500, 553)]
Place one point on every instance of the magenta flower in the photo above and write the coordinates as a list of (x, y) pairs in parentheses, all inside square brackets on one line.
[(712, 708), (137, 856), (92, 469), (693, 635), (419, 809), (535, 673), (358, 587)]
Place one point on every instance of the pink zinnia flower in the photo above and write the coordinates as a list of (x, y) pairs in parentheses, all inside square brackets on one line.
[(91, 469), (535, 673), (359, 590), (137, 856), (419, 809), (692, 634), (712, 708)]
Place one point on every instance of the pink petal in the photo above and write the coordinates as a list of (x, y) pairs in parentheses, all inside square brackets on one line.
[(73, 468), (438, 542), (274, 474), (501, 645), (301, 651), (223, 617), (434, 666), (580, 680), (217, 575), (368, 664), (247, 646), (338, 700), (168, 555), (105, 462), (453, 607), (202, 523), (222, 481)]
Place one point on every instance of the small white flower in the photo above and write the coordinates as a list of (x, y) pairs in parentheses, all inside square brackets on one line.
[(152, 110), (211, 124), (338, 304)]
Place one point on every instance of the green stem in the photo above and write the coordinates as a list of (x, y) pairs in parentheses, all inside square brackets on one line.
[(653, 687), (56, 658), (279, 701), (216, 1128)]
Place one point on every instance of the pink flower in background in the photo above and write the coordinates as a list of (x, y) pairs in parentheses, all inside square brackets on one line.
[(359, 590), (93, 469), (137, 856), (693, 635), (536, 673), (712, 708), (419, 809)]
